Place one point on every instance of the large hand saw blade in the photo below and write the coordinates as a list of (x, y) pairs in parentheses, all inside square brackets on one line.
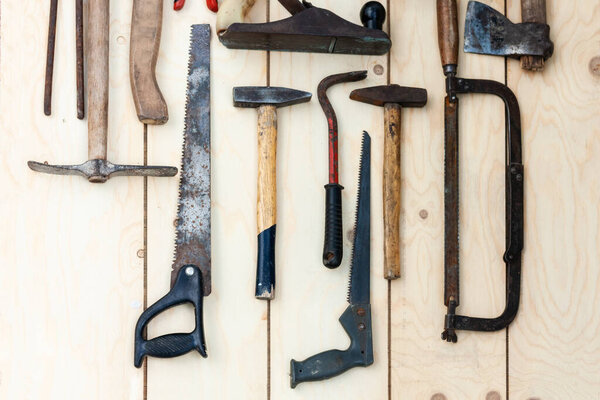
[(192, 243)]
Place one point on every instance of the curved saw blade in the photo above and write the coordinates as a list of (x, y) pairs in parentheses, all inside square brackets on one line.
[(192, 243)]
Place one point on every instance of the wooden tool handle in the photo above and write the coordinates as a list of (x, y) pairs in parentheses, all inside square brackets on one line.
[(232, 11), (447, 19), (391, 192), (50, 57), (98, 30), (146, 26), (533, 11), (266, 209)]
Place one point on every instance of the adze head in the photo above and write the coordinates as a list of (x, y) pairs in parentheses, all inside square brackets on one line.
[(391, 94), (256, 96), (98, 170)]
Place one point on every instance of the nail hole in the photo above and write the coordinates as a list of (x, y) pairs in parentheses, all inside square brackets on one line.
[(438, 396), (378, 69), (493, 395), (121, 39), (423, 214), (141, 253)]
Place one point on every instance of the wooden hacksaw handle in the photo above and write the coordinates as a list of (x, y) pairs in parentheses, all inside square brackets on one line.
[(97, 52), (447, 19), (533, 11), (232, 11), (146, 26), (266, 207), (391, 191)]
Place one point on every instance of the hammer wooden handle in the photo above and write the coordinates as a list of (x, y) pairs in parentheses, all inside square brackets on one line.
[(533, 11), (146, 26), (98, 29), (266, 209), (231, 12), (447, 19), (391, 191)]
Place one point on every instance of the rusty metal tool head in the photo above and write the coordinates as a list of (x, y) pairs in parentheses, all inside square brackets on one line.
[(97, 169), (392, 98), (190, 274), (356, 319), (488, 31), (333, 242), (309, 29), (448, 41), (267, 100)]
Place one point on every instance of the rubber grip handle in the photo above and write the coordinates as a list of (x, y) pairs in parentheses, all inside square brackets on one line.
[(266, 208), (333, 245), (321, 366), (447, 20)]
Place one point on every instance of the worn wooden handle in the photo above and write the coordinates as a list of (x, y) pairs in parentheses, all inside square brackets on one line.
[(232, 11), (146, 26), (266, 209), (391, 192), (533, 11), (447, 19), (97, 52)]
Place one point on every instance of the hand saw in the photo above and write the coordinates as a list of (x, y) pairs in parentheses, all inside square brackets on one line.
[(356, 319), (190, 277)]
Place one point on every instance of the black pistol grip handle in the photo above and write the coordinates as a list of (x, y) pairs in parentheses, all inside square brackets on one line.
[(372, 15), (321, 366), (187, 289), (265, 264), (333, 245)]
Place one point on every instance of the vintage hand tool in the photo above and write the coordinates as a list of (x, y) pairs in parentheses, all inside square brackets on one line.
[(356, 319), (146, 26), (448, 41), (190, 277), (78, 57), (267, 100), (489, 32), (333, 245), (212, 5), (97, 169), (309, 29), (392, 98)]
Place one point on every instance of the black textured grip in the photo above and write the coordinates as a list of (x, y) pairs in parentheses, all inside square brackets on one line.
[(333, 246)]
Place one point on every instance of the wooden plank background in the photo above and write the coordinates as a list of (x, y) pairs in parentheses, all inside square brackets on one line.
[(80, 261)]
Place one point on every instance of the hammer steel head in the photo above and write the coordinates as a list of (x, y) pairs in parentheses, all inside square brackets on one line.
[(98, 171), (395, 94), (256, 96)]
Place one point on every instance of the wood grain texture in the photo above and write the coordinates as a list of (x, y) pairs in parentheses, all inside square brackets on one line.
[(266, 204), (235, 322), (423, 366), (555, 339), (311, 298), (391, 190), (533, 11), (71, 287), (146, 27), (97, 77)]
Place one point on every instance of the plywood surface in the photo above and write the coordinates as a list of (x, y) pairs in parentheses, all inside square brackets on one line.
[(80, 261)]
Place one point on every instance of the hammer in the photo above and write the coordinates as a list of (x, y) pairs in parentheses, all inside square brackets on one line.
[(97, 169), (267, 100), (392, 98)]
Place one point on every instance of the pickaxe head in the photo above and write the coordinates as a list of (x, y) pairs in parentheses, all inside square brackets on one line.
[(256, 96), (391, 94), (98, 171)]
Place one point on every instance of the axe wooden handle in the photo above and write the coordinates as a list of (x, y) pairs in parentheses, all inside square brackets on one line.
[(266, 209), (232, 11), (447, 19), (98, 29), (391, 191), (146, 26), (533, 11)]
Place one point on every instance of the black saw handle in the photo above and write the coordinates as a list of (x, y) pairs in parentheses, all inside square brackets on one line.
[(187, 289), (333, 245)]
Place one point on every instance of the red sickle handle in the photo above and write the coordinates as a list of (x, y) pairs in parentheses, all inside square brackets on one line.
[(212, 5)]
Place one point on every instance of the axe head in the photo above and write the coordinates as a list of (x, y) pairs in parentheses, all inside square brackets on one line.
[(256, 96), (489, 32)]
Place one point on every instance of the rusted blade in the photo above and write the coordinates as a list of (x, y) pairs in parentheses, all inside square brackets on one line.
[(451, 215), (192, 243)]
